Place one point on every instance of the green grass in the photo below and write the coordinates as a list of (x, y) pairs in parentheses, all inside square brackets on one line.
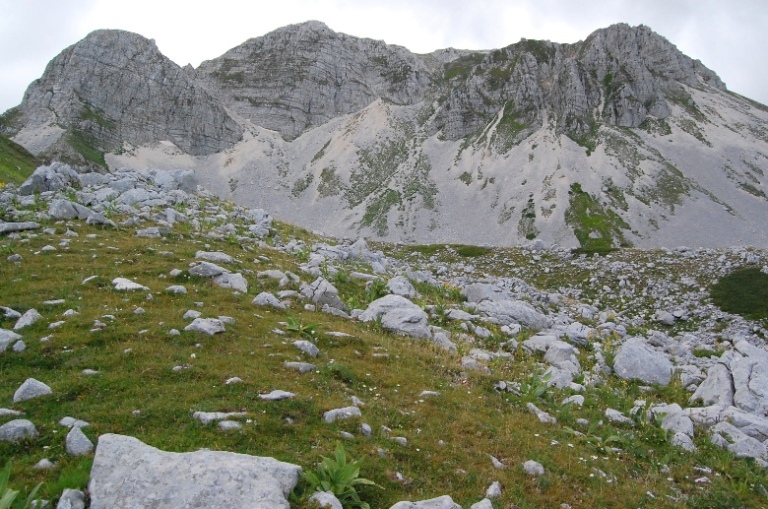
[(743, 292), (594, 226), (16, 163), (449, 436)]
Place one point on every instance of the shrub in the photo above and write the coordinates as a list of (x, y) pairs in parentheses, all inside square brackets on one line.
[(341, 476), (743, 292)]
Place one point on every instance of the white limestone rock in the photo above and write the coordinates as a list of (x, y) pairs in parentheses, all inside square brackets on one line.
[(127, 473)]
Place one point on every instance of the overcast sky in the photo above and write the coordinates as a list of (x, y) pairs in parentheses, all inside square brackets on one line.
[(730, 37)]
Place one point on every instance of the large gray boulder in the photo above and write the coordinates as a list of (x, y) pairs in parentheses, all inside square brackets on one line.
[(17, 429), (321, 292), (127, 474), (717, 388), (509, 312), (398, 315), (636, 360)]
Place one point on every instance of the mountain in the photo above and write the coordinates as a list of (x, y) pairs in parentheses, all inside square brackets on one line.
[(616, 140)]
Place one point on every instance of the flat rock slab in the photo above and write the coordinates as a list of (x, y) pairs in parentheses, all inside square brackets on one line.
[(635, 360), (398, 315), (444, 502), (208, 326), (127, 474), (126, 285), (18, 227), (277, 395), (341, 413)]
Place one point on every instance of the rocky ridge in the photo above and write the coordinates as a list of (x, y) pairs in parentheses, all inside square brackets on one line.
[(619, 139), (657, 338)]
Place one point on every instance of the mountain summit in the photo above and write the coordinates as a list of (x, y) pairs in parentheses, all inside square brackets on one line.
[(619, 139)]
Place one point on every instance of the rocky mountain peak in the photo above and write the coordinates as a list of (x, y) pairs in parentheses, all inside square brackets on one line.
[(114, 87)]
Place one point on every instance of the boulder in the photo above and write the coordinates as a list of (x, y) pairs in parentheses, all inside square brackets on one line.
[(17, 429), (399, 285), (126, 285), (321, 292), (208, 326), (444, 502), (636, 360), (76, 443), (31, 389), (398, 315), (717, 388), (509, 312), (207, 269), (28, 318), (266, 299), (6, 338), (127, 473), (341, 413), (233, 281)]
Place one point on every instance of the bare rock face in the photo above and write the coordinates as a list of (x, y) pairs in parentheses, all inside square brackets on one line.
[(301, 76), (115, 86)]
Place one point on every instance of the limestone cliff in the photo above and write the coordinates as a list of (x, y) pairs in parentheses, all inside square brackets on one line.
[(114, 87), (619, 139)]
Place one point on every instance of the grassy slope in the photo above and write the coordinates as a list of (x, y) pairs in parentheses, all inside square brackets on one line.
[(449, 436), (16, 164)]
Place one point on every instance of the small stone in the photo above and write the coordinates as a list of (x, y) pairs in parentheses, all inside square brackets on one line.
[(324, 500), (126, 285), (301, 367), (176, 289), (27, 319), (30, 389), (341, 413), (533, 468), (277, 395), (307, 347), (44, 464), (77, 444), (229, 425), (494, 490), (71, 499)]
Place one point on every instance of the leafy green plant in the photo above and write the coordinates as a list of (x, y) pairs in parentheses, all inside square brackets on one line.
[(307, 330), (375, 290), (535, 388), (7, 495), (341, 476)]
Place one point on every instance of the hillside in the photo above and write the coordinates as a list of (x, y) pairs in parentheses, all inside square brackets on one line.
[(442, 387), (616, 140)]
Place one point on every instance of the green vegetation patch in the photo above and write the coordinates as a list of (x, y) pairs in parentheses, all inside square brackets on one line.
[(330, 183), (743, 292), (87, 146), (16, 163), (509, 128), (462, 66), (377, 165), (585, 132), (418, 183), (593, 225), (377, 211), (302, 184), (527, 225), (656, 126), (746, 186)]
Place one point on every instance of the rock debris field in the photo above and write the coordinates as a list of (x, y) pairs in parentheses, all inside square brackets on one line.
[(600, 351)]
